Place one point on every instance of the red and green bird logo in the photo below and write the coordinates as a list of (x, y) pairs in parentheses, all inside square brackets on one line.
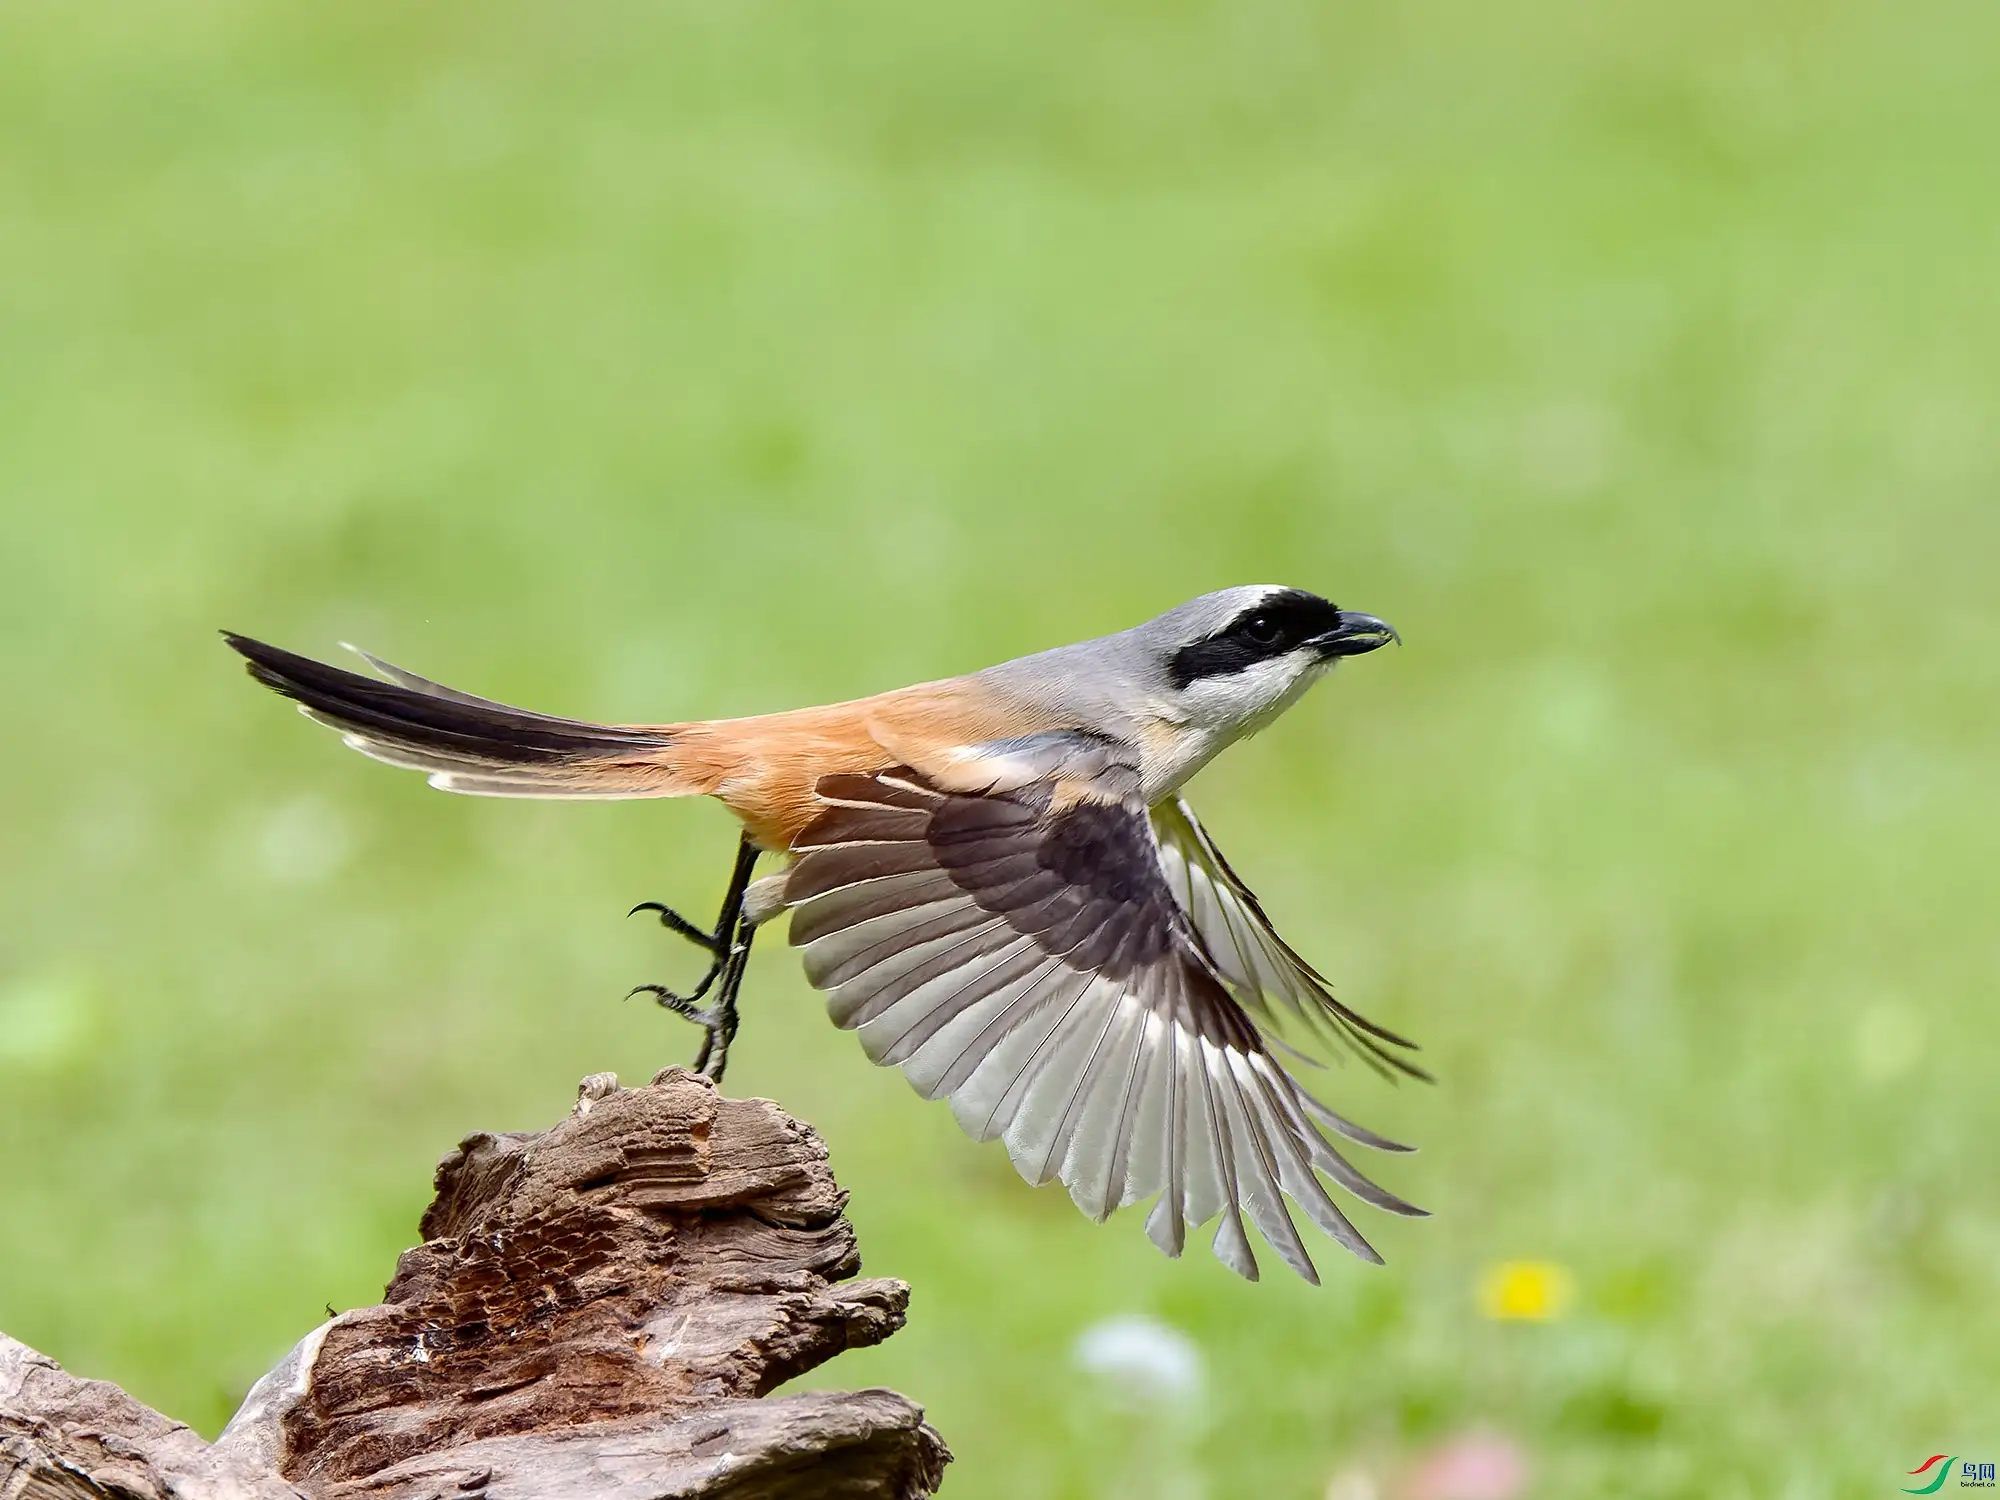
[(1943, 1466)]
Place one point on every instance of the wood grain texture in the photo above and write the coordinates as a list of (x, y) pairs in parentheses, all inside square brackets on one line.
[(62, 1438), (596, 1310)]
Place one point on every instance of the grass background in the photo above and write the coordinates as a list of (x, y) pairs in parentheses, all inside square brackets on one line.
[(1640, 363)]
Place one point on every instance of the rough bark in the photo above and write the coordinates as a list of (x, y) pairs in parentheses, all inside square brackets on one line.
[(62, 1438), (596, 1311)]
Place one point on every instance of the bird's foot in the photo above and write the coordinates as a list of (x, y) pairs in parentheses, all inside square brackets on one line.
[(673, 921), (728, 950), (718, 1021), (688, 1006)]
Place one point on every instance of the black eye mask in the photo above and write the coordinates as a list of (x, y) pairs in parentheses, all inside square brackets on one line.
[(1277, 625)]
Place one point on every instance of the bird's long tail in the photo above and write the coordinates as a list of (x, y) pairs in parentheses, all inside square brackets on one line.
[(468, 744)]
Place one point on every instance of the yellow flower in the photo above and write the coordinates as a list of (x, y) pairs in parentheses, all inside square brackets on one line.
[(1537, 1291)]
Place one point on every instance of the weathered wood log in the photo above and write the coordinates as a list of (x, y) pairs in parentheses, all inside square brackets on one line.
[(596, 1311), (67, 1439)]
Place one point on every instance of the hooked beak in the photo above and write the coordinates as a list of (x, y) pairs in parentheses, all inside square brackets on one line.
[(1355, 635)]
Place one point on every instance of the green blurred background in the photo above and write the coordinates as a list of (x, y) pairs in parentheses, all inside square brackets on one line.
[(660, 361)]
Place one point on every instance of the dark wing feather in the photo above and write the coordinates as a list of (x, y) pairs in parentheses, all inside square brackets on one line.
[(1260, 967), (1028, 956)]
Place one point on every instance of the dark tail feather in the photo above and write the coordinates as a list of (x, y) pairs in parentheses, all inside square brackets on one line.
[(467, 744)]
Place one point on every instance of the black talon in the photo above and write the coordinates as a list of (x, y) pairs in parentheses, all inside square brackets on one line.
[(673, 921), (679, 1004), (729, 945)]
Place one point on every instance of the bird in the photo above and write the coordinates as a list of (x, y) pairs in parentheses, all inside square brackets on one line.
[(998, 886)]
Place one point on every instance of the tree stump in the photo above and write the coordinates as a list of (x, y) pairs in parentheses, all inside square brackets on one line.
[(597, 1312)]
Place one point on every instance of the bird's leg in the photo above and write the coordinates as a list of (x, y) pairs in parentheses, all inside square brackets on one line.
[(728, 947), (714, 1054)]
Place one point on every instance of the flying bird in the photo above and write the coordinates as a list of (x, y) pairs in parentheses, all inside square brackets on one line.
[(996, 882)]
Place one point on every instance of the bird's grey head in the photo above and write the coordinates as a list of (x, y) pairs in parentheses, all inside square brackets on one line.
[(1235, 658), (1200, 676)]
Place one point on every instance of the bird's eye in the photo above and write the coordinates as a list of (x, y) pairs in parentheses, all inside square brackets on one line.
[(1261, 630)]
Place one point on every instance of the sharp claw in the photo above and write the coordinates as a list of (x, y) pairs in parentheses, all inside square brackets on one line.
[(658, 906), (661, 994), (681, 1005), (673, 921)]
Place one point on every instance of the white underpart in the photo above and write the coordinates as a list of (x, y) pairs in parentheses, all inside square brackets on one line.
[(1212, 713)]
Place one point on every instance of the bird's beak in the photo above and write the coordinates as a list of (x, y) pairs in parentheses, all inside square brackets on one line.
[(1355, 635)]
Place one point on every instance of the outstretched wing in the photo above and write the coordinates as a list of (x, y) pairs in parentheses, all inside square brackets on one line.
[(1261, 968), (1020, 952)]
